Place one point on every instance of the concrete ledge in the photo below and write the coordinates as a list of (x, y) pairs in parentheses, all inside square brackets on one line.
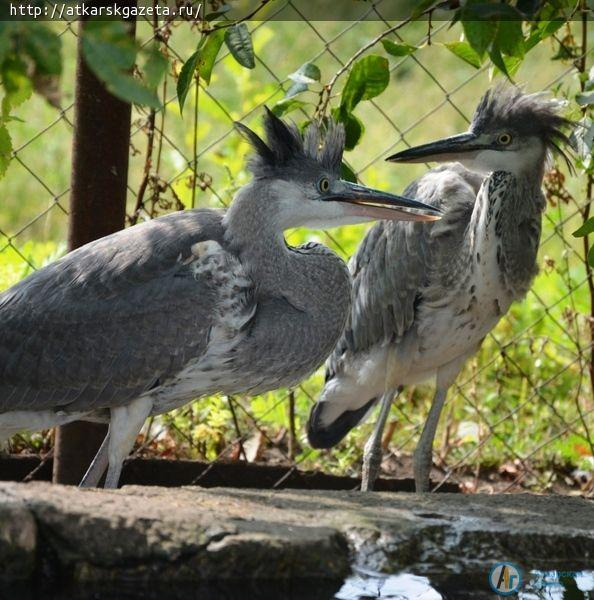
[(18, 538), (150, 534)]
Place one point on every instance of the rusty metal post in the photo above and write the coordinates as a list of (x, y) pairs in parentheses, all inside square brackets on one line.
[(100, 151)]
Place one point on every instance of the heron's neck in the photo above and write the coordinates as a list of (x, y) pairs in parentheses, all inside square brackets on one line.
[(507, 199), (252, 232), (507, 217)]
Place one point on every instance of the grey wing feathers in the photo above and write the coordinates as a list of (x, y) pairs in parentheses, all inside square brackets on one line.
[(109, 320), (398, 260)]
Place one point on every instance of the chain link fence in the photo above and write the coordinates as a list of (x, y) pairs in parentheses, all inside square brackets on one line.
[(521, 413)]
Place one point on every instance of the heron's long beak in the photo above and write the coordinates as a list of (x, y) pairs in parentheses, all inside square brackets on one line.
[(449, 149), (375, 204)]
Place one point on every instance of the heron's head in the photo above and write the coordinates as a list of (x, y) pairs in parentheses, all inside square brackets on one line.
[(510, 131), (299, 176)]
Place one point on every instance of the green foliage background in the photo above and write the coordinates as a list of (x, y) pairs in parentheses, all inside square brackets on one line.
[(524, 399)]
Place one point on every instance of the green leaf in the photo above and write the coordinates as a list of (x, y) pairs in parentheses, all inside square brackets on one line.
[(44, 47), (586, 229), (6, 35), (421, 7), (368, 78), (483, 11), (209, 54), (306, 73), (480, 35), (111, 53), (565, 52), (287, 105), (398, 49), (585, 99), (512, 64), (239, 42), (154, 67), (5, 150), (532, 40), (548, 28), (543, 30), (354, 130), (127, 88), (510, 38), (202, 60), (464, 51), (17, 85), (110, 43), (353, 127), (347, 173), (497, 60), (213, 16), (5, 46), (184, 80), (295, 89)]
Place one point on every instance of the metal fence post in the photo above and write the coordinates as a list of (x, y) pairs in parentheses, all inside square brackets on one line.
[(97, 208)]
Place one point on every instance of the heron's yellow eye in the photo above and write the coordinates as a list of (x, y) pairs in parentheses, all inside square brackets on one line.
[(324, 185), (504, 139)]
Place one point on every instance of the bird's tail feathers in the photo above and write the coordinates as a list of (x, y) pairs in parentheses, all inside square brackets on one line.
[(341, 407)]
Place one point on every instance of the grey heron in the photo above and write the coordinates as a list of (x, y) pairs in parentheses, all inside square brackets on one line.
[(189, 304), (425, 298)]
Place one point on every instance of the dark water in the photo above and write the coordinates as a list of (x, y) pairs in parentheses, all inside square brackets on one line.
[(360, 586)]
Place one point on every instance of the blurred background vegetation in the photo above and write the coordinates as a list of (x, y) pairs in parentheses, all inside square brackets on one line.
[(522, 415)]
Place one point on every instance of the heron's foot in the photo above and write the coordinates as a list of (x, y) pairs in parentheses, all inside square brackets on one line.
[(372, 459), (422, 463)]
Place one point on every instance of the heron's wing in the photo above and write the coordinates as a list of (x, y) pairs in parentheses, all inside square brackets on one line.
[(108, 321), (397, 260)]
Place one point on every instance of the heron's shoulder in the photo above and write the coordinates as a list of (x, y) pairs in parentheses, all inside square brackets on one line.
[(328, 264), (130, 256), (164, 234), (447, 186), (454, 189), (450, 187), (163, 237)]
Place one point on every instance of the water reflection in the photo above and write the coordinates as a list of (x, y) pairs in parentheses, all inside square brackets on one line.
[(559, 585), (540, 585), (397, 587)]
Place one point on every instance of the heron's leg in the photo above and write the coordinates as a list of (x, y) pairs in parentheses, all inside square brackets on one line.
[(423, 457), (124, 425), (97, 467), (372, 453)]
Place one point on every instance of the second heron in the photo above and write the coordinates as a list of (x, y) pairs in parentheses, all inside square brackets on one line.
[(424, 298)]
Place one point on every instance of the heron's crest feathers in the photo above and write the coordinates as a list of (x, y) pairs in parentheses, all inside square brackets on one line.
[(285, 146), (508, 107)]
